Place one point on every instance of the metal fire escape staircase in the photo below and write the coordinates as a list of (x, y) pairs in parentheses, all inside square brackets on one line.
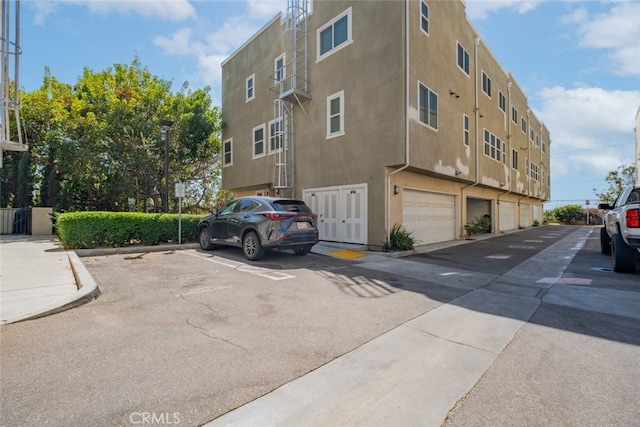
[(291, 83), (10, 102)]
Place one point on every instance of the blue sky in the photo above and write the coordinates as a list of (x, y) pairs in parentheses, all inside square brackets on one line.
[(577, 61)]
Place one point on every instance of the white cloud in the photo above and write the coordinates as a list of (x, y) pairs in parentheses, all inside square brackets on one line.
[(616, 31), (170, 10), (591, 128), (480, 9), (42, 9), (265, 8)]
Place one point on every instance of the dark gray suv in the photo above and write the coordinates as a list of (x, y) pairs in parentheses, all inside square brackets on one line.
[(257, 223)]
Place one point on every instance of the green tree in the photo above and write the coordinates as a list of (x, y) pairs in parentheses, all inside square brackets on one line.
[(97, 144), (567, 214), (618, 180)]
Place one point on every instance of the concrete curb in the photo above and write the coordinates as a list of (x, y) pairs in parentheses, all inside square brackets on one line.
[(134, 249), (87, 290)]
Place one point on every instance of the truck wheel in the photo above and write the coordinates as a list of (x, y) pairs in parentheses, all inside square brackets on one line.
[(623, 257), (605, 242), (251, 247)]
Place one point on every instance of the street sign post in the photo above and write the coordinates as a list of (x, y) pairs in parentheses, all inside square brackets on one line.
[(179, 190)]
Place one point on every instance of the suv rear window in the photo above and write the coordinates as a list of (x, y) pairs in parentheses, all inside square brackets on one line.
[(291, 206)]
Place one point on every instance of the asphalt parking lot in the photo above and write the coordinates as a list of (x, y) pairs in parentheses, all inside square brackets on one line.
[(186, 336), (197, 334)]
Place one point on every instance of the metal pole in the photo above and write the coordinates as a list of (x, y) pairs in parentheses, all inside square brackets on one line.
[(166, 126), (166, 170)]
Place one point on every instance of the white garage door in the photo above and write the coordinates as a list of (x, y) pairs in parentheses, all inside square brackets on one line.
[(430, 217), (507, 215), (525, 215)]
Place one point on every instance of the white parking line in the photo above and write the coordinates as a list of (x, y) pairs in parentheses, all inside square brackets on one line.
[(242, 267)]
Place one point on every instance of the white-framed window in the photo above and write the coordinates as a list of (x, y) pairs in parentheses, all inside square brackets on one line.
[(534, 171), (227, 152), (463, 59), (279, 70), (258, 141), (424, 17), (537, 140), (523, 125), (465, 129), (514, 115), (494, 147), (486, 84), (335, 115), (250, 88), (428, 106), (514, 158), (531, 134), (544, 147), (502, 101), (335, 35), (276, 131)]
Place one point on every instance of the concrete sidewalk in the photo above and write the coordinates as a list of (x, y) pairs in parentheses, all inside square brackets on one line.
[(416, 373), (38, 278)]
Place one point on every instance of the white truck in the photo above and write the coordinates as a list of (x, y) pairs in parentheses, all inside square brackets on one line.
[(620, 234)]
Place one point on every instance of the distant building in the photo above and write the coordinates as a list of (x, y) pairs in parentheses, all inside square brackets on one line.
[(379, 113)]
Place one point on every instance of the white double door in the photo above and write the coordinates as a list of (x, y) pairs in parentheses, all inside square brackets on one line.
[(342, 212)]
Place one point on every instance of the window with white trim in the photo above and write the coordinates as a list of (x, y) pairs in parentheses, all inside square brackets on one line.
[(502, 101), (486, 84), (514, 115), (465, 129), (258, 141), (335, 35), (514, 158), (531, 134), (250, 88), (463, 59), (494, 147), (523, 125), (424, 17), (279, 72), (534, 171), (335, 115), (544, 147), (227, 152), (276, 130), (428, 106), (537, 140)]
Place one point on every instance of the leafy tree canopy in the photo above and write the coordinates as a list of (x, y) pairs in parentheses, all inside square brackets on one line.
[(99, 144), (617, 180)]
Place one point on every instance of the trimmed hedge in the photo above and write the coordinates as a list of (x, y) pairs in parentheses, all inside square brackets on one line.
[(86, 230)]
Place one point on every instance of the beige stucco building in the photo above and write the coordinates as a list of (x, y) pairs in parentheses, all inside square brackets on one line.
[(379, 113)]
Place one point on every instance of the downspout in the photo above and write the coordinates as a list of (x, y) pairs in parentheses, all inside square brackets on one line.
[(476, 109), (528, 171), (509, 129), (406, 124)]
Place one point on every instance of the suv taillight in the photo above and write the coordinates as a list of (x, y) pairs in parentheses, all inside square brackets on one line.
[(633, 218), (277, 216)]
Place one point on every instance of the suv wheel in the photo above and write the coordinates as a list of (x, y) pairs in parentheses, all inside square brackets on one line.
[(302, 250), (205, 239), (251, 247)]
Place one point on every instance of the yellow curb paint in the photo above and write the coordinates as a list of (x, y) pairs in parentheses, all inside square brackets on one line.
[(347, 254)]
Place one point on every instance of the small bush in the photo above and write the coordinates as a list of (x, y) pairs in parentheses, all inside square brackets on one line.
[(84, 230), (478, 226), (399, 240)]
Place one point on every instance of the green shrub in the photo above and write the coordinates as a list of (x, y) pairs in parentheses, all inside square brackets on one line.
[(478, 226), (80, 230), (399, 240)]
